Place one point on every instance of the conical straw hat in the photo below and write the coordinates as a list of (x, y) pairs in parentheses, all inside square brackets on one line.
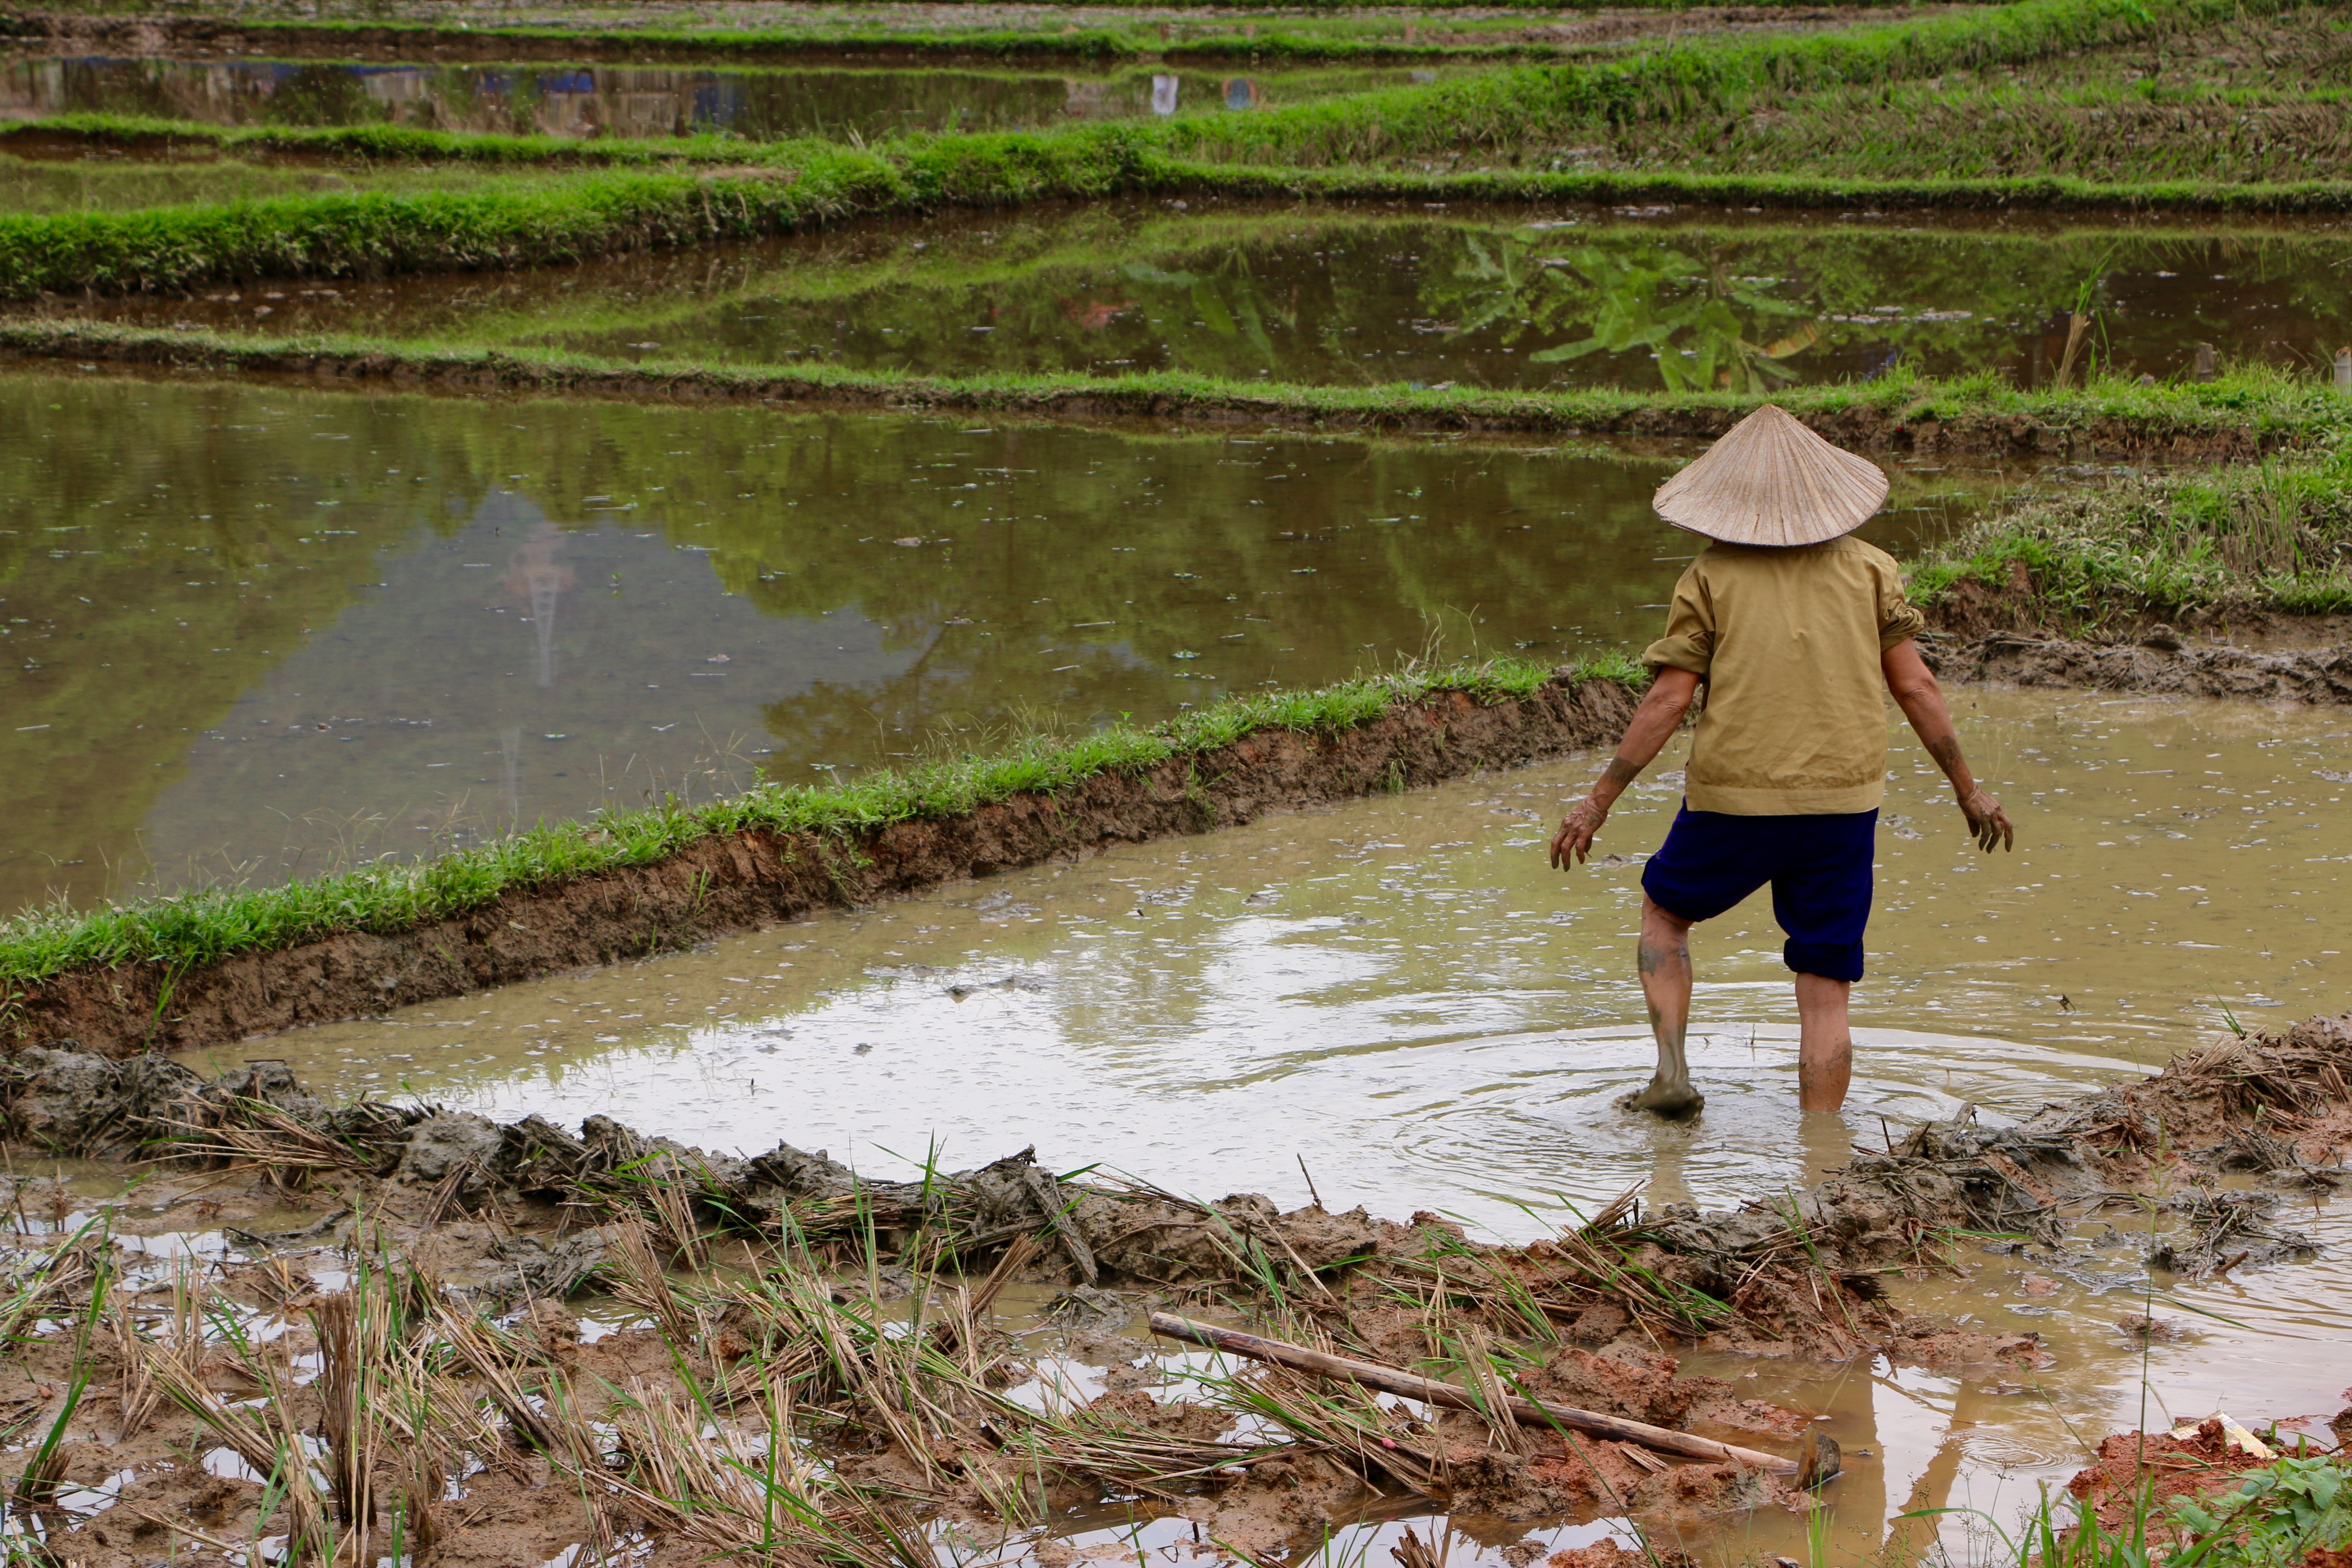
[(1770, 481)]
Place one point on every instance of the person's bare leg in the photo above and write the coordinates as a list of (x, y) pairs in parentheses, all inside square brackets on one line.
[(1664, 955), (1825, 1042)]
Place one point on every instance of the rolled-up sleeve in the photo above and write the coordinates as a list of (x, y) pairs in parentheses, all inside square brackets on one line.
[(1689, 642), (1898, 619)]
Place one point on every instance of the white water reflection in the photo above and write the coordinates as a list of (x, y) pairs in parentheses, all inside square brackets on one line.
[(1399, 991)]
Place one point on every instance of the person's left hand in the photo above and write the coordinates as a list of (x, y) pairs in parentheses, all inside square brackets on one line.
[(1988, 823), (1577, 830)]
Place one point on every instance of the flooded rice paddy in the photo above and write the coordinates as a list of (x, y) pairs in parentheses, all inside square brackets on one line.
[(1401, 993), (653, 102), (1380, 294), (1403, 989), (283, 630), (277, 632)]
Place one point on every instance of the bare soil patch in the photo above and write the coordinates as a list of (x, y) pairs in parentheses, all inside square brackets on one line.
[(2159, 662)]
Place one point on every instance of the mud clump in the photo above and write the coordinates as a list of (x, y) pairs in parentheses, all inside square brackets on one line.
[(754, 1291), (2321, 676), (1609, 1554), (2131, 1465), (1803, 1277)]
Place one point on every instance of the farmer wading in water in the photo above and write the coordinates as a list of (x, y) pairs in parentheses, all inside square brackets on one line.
[(1795, 630)]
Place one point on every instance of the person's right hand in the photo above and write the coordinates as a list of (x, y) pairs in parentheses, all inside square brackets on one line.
[(1577, 830), (1988, 823)]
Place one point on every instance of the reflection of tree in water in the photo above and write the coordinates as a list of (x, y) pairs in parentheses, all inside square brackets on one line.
[(1704, 326), (1231, 300)]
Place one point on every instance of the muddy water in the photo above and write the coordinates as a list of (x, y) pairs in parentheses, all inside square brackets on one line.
[(1400, 993), (280, 631), (593, 100), (1572, 297)]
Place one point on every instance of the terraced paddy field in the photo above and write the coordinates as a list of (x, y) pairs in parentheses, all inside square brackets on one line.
[(593, 101), (591, 592), (1659, 298), (449, 627)]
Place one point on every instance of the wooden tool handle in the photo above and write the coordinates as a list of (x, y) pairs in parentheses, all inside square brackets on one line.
[(1528, 1412)]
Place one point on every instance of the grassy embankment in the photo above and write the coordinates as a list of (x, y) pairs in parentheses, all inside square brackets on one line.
[(2244, 408), (1321, 29), (1366, 145), (2248, 99), (1252, 292), (1209, 39), (2266, 540), (203, 927)]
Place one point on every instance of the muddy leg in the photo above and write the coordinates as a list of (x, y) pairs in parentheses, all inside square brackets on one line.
[(1825, 1046), (1666, 986)]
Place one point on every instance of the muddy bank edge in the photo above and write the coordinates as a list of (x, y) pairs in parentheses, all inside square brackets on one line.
[(739, 881)]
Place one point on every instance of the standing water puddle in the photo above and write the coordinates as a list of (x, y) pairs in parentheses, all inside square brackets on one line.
[(1378, 295), (591, 101), (280, 631), (1399, 991), (1403, 990)]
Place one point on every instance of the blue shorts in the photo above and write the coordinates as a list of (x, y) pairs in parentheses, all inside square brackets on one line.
[(1819, 868)]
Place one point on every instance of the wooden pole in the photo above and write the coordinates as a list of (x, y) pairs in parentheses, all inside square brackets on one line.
[(1526, 1412)]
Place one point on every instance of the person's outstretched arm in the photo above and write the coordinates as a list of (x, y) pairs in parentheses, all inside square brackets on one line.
[(1653, 725), (1922, 701)]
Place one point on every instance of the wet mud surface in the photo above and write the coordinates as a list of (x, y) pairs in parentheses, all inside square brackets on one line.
[(511, 1221), (2159, 662), (1400, 990)]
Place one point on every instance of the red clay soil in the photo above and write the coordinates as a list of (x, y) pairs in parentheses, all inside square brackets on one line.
[(741, 881), (2196, 1466)]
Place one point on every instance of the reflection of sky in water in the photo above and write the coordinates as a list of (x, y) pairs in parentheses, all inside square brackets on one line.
[(512, 672), (1979, 1442), (371, 626), (1400, 992)]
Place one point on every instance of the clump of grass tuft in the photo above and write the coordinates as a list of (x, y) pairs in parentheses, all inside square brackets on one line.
[(2273, 537)]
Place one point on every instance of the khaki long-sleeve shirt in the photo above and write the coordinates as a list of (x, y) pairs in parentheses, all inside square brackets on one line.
[(1788, 641)]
